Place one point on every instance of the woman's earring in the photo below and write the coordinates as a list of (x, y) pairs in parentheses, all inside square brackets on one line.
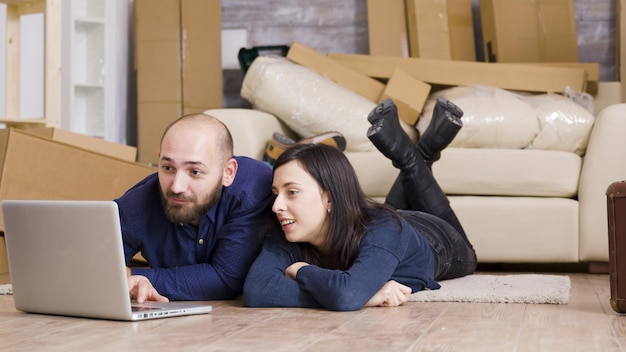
[(328, 210)]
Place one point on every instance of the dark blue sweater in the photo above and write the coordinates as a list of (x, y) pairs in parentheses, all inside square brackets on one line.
[(205, 263), (387, 252)]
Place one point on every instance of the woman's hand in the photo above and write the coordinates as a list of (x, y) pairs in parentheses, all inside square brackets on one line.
[(292, 270), (392, 294)]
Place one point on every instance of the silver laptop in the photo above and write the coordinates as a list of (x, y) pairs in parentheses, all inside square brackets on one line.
[(67, 258)]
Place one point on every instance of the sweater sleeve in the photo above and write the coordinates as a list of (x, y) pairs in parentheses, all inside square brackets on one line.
[(386, 252), (266, 284), (351, 289)]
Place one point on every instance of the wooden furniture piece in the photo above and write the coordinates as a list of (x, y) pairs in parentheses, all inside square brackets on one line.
[(52, 69)]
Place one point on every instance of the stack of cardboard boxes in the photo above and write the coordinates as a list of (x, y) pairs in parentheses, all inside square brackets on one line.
[(51, 163), (529, 31), (178, 63), (512, 30), (415, 46), (418, 46), (439, 29)]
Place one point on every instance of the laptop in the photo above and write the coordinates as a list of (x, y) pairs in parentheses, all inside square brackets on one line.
[(66, 258)]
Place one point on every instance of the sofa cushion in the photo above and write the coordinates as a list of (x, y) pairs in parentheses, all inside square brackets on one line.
[(508, 172), (520, 229)]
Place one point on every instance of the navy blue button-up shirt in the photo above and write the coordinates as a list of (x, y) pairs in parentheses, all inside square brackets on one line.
[(208, 262)]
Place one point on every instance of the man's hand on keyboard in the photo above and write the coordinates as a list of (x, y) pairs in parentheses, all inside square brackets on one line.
[(141, 290)]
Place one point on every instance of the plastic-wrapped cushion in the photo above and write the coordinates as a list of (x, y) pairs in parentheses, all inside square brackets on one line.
[(565, 125), (308, 102), (492, 117)]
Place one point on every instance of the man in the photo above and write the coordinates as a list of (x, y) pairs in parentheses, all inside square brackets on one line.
[(196, 220)]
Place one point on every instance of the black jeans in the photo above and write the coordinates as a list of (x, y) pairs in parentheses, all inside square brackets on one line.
[(454, 255)]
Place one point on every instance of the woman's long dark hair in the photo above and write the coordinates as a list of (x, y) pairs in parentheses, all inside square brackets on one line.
[(351, 209)]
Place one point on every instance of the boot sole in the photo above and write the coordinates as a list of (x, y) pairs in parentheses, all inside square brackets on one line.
[(384, 108), (450, 107)]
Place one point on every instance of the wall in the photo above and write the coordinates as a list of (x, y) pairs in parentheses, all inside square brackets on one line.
[(341, 26)]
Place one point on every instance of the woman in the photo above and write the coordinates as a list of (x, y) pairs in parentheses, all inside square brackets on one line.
[(332, 247)]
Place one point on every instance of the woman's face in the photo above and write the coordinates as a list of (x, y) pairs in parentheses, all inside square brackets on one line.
[(301, 206)]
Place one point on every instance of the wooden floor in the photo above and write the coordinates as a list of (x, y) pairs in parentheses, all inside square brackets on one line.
[(587, 323)]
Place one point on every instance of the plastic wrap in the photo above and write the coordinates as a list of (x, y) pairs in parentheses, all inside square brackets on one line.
[(496, 118), (565, 124), (309, 103), (492, 117), (583, 99)]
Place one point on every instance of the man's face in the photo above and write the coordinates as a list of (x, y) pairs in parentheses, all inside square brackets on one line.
[(191, 173)]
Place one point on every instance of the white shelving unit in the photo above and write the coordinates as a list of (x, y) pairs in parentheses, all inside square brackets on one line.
[(86, 66), (94, 91)]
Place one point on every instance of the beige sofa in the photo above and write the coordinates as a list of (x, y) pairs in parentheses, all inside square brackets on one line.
[(517, 205)]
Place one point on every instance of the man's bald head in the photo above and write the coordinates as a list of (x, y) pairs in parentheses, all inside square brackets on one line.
[(215, 128)]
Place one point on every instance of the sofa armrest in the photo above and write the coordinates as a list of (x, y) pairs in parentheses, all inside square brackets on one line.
[(251, 129), (603, 164)]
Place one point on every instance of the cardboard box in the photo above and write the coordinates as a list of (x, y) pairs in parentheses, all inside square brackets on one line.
[(121, 151), (441, 29), (529, 30), (462, 35), (409, 95), (338, 73), (35, 167), (592, 69), (532, 78), (386, 28), (201, 53), (429, 35), (162, 113), (178, 64)]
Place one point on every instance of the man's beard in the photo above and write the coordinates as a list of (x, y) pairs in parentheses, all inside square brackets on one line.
[(178, 214)]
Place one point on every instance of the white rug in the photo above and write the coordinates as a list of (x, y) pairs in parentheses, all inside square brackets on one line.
[(6, 289), (514, 288), (482, 288)]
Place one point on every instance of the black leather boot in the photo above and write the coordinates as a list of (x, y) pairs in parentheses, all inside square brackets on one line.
[(389, 137), (423, 193), (420, 189), (396, 196), (444, 126)]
